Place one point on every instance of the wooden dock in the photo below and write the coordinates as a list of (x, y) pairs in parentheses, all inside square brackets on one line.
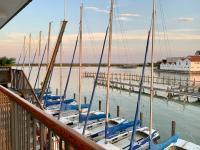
[(184, 90)]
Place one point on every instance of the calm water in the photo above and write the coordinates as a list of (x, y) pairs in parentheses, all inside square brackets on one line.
[(186, 116)]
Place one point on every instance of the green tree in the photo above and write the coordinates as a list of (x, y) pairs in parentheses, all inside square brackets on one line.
[(4, 61)]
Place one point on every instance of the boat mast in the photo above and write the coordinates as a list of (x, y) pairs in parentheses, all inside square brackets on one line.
[(24, 52), (48, 44), (61, 65), (65, 9), (80, 59), (29, 53), (108, 70), (152, 66), (39, 49)]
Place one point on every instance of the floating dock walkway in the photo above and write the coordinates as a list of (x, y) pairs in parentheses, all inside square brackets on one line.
[(184, 90)]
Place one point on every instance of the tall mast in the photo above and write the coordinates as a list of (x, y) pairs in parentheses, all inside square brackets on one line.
[(29, 53), (24, 52), (152, 66), (39, 49), (48, 44), (65, 9), (61, 65), (109, 62), (80, 58)]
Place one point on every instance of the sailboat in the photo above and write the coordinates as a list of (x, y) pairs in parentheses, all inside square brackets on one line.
[(140, 135), (96, 129), (74, 117)]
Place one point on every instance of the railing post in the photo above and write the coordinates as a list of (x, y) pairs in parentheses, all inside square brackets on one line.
[(41, 136), (34, 134)]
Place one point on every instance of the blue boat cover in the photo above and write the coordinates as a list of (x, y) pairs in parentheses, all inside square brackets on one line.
[(165, 144), (93, 116), (72, 107), (120, 127), (50, 103), (143, 142), (53, 97)]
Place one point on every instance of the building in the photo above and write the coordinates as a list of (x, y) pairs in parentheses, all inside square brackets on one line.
[(181, 64)]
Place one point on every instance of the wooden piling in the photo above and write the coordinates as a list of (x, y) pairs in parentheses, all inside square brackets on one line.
[(173, 130), (57, 91), (74, 95), (141, 119), (85, 99), (117, 111), (99, 105)]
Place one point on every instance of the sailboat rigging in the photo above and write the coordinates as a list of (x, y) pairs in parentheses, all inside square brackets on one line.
[(80, 60), (108, 67)]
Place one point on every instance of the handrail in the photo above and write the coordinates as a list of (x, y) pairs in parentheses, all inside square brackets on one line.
[(64, 132), (26, 85)]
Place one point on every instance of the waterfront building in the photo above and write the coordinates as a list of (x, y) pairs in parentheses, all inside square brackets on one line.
[(181, 64)]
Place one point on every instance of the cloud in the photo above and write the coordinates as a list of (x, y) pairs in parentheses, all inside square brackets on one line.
[(129, 15), (96, 9), (123, 18), (185, 19)]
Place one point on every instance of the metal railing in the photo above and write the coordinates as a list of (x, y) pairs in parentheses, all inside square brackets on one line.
[(23, 126)]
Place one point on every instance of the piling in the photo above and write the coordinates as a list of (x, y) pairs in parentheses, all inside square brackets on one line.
[(117, 111), (85, 99), (194, 82), (99, 105), (141, 119), (56, 91), (74, 95), (173, 128)]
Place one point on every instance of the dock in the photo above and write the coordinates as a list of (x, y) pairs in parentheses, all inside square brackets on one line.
[(168, 88)]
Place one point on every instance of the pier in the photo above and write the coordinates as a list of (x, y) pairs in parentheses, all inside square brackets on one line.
[(184, 90)]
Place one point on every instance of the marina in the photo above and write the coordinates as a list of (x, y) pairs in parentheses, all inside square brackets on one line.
[(179, 112), (111, 104)]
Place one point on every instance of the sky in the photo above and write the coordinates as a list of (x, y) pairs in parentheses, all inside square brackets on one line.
[(177, 28)]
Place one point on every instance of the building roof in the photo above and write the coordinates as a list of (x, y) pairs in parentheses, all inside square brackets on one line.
[(193, 58), (10, 8), (173, 59)]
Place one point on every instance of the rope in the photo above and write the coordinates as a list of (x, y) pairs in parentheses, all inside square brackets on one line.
[(95, 81), (32, 65), (69, 74), (40, 66), (140, 92)]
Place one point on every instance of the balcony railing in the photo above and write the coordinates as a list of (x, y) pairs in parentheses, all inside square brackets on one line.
[(20, 83), (23, 126)]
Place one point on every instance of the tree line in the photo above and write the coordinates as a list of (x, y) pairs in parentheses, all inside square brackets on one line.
[(5, 61)]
